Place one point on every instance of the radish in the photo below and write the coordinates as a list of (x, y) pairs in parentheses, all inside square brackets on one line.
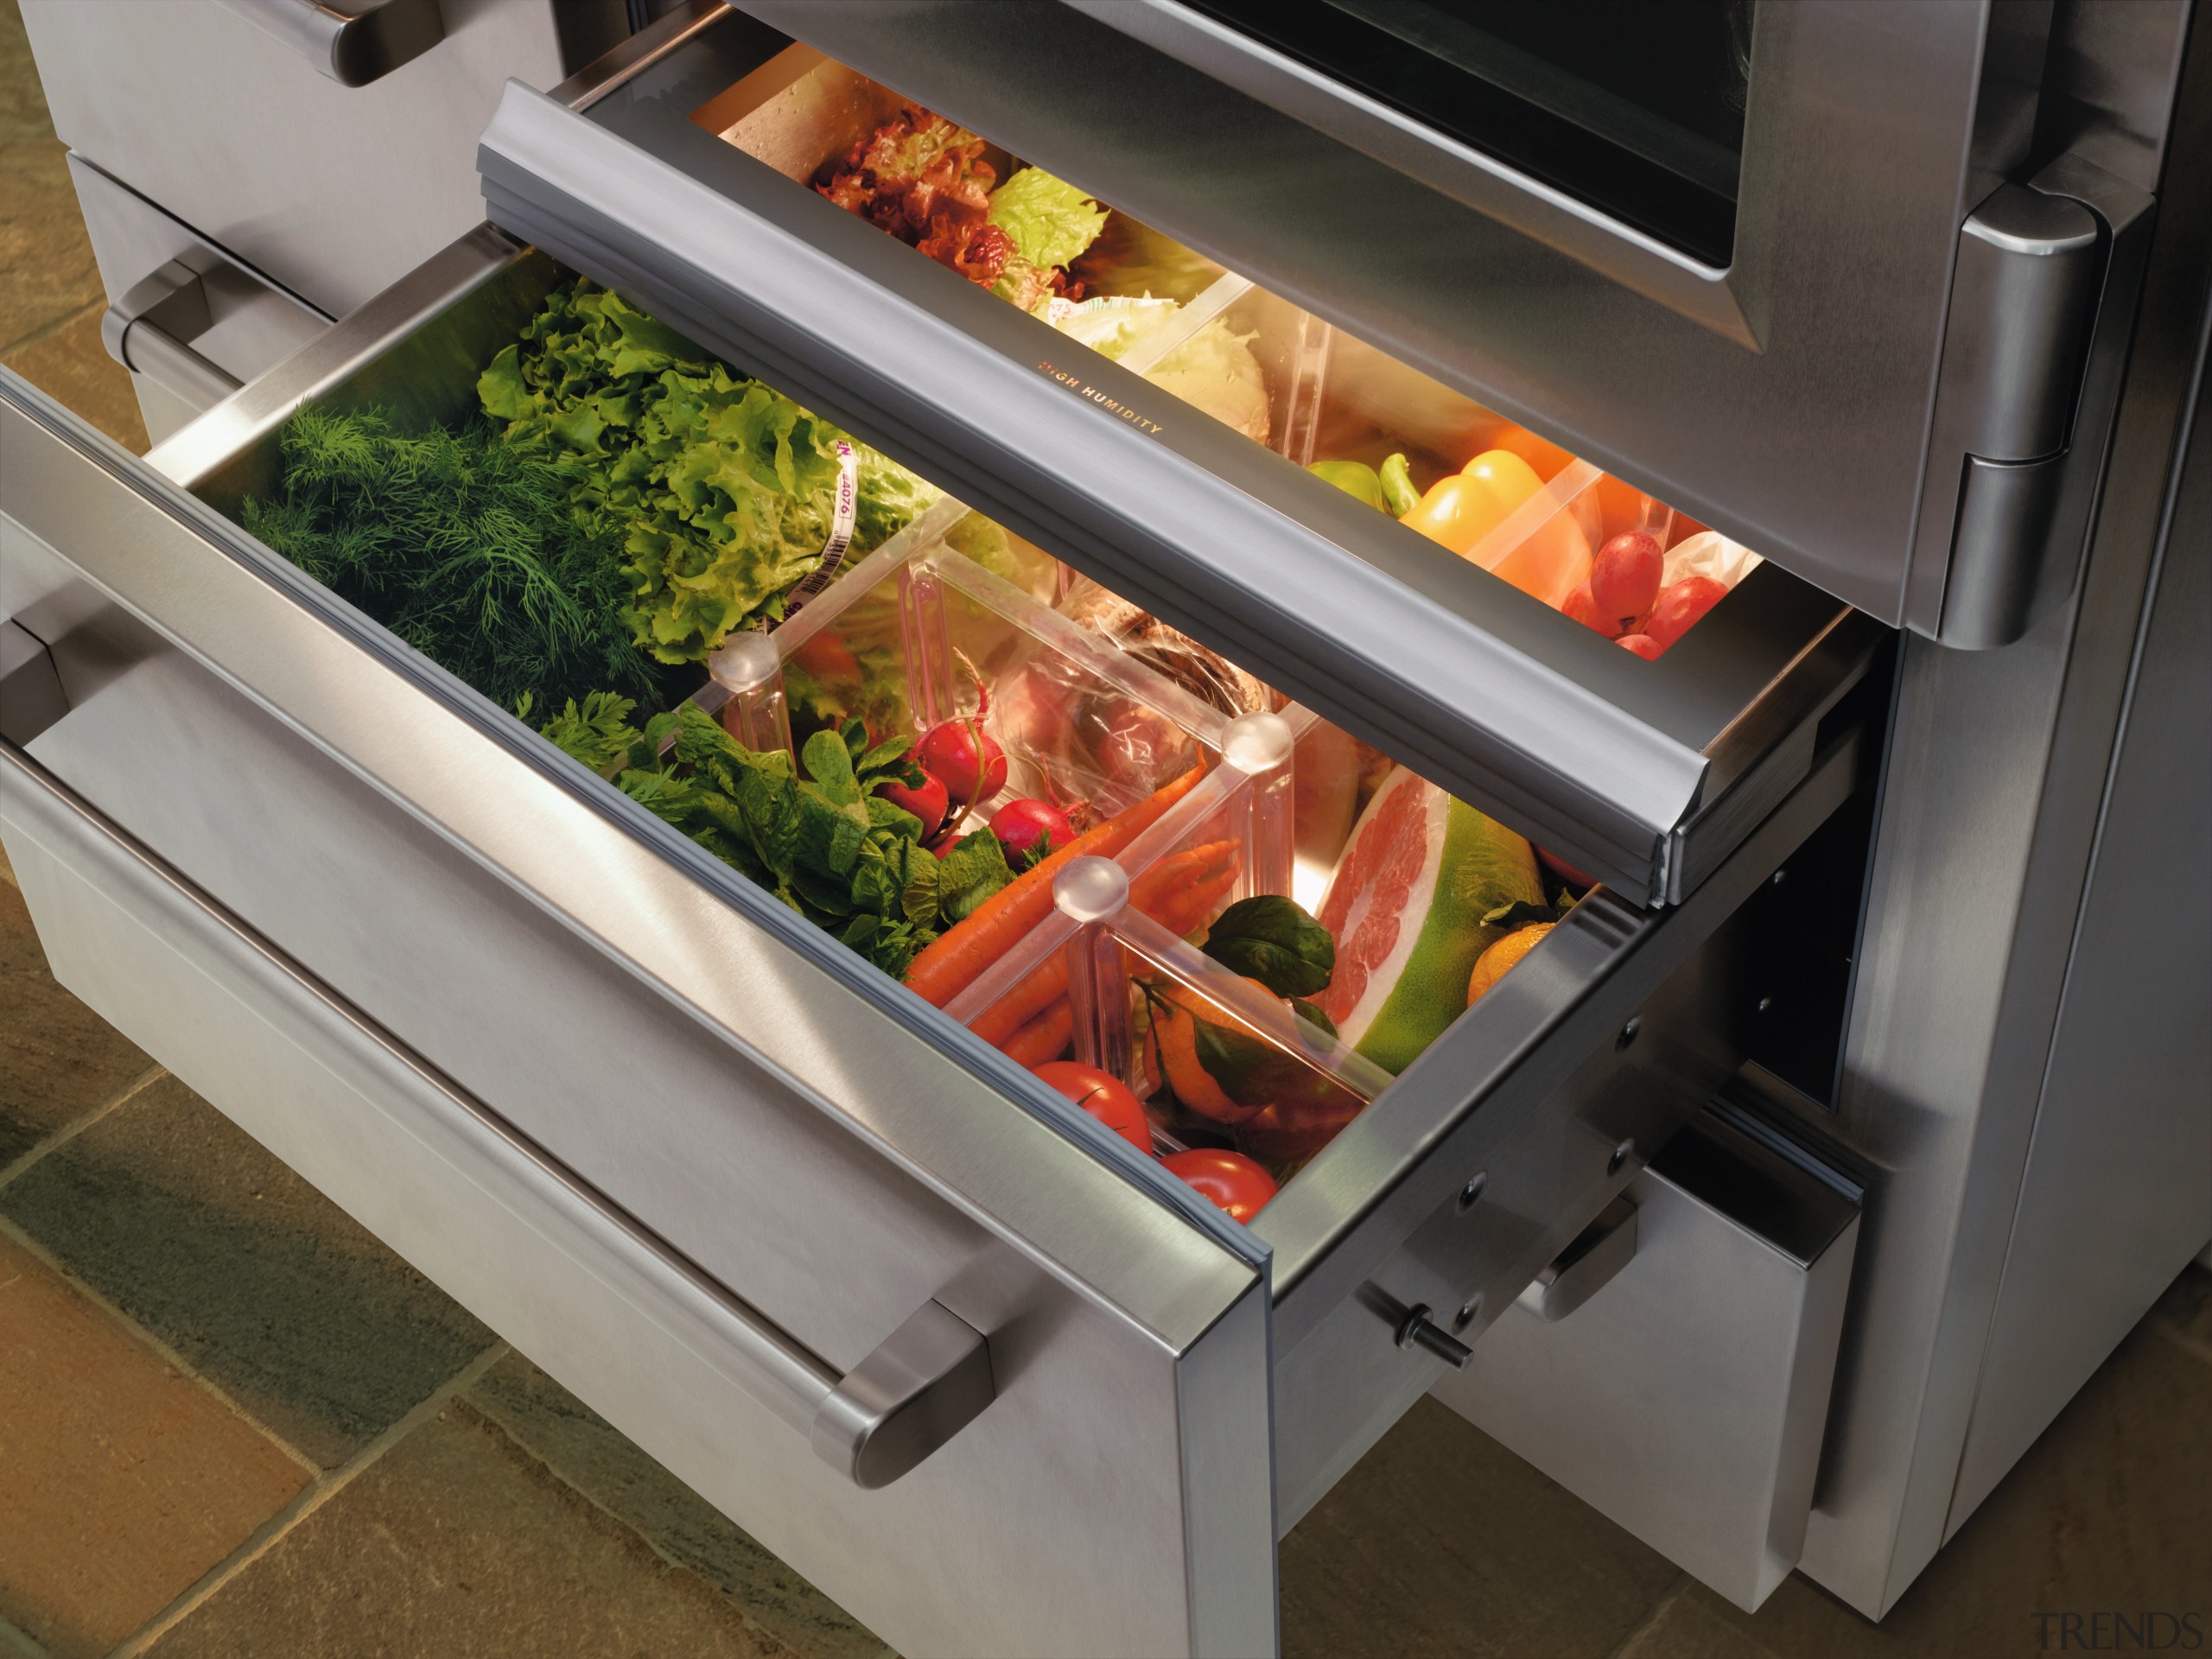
[(929, 800), (1020, 825), (961, 754)]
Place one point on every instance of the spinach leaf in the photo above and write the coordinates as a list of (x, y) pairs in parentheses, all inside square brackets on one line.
[(1268, 937)]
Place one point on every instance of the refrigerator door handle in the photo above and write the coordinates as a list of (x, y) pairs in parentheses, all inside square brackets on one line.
[(919, 1388)]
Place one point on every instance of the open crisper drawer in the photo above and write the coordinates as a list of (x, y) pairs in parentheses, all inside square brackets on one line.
[(771, 1129), (682, 183)]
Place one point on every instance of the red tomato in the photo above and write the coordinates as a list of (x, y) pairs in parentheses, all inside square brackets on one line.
[(1229, 1179), (1625, 578), (1680, 606), (1643, 645), (1104, 1095)]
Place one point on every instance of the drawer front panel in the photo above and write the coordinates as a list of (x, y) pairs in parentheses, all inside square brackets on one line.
[(734, 1162), (946, 1559)]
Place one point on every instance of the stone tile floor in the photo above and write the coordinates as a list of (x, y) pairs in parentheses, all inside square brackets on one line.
[(232, 1423)]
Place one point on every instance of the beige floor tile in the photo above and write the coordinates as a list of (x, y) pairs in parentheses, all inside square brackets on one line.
[(457, 1544), (58, 1058), (589, 1453), (44, 247), (71, 367), (1441, 1541), (23, 104), (121, 1481), (177, 1216)]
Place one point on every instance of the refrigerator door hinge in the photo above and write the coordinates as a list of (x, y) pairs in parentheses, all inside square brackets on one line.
[(2031, 264)]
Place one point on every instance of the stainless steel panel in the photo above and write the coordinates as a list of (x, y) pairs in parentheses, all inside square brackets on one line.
[(918, 1387), (414, 350), (1501, 700), (1687, 1399), (252, 323), (945, 1561), (332, 192), (1997, 766), (2117, 1193), (1785, 400)]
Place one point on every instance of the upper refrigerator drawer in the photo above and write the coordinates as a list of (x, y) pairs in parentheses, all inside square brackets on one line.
[(1371, 541), (1773, 262)]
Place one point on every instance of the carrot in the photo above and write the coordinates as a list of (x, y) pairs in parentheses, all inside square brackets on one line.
[(951, 962), (1043, 1039), (1155, 892)]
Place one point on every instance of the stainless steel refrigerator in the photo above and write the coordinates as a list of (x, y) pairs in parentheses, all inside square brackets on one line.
[(1774, 1204)]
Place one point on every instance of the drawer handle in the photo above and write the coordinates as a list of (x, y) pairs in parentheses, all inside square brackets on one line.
[(352, 42), (925, 1383), (1584, 1267), (148, 330)]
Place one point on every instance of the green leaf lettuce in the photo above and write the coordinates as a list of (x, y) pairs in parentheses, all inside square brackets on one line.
[(719, 490)]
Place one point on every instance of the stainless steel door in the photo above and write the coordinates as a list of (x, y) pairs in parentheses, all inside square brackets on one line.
[(1645, 774), (1784, 391)]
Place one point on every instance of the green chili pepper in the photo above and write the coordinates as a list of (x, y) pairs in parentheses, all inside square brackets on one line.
[(1398, 495)]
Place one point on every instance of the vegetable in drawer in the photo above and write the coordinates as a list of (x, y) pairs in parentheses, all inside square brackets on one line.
[(461, 544), (719, 491)]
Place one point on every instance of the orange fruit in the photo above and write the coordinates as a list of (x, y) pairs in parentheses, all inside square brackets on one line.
[(1175, 1030), (1501, 958)]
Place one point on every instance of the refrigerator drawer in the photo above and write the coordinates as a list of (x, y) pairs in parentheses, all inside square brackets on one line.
[(681, 178), (1812, 272), (747, 1112), (938, 1560)]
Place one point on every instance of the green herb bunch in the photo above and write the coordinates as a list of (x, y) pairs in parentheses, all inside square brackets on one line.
[(824, 842), (718, 490), (461, 545)]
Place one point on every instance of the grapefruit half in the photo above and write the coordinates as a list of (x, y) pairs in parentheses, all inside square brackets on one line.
[(1405, 907)]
